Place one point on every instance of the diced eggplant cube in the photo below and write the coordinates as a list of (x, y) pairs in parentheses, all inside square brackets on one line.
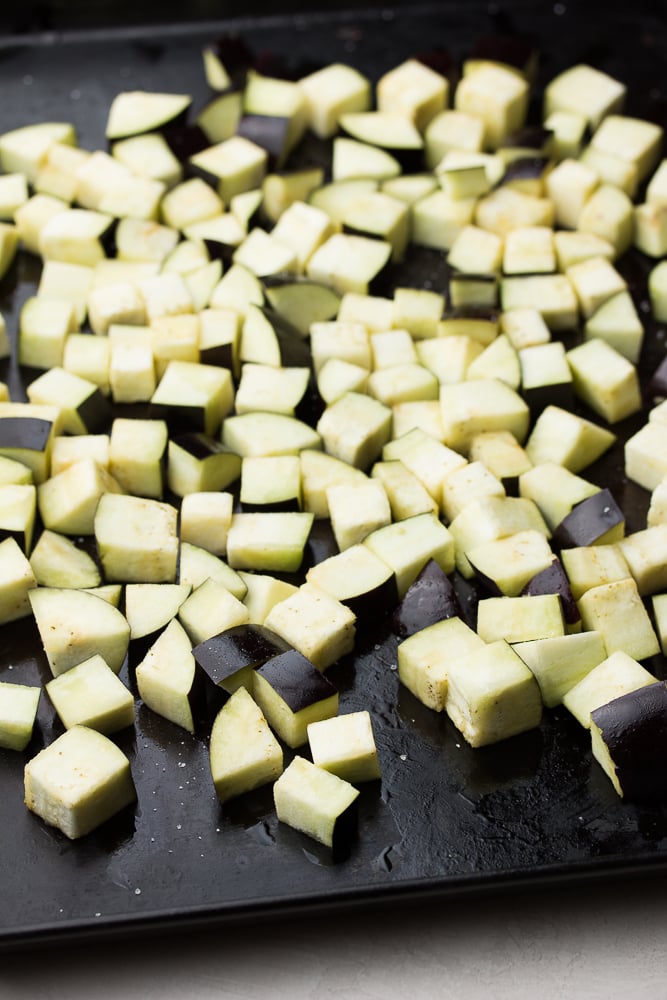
[(646, 555), (591, 566), (257, 434), (567, 439), (595, 520), (345, 746), (205, 520), (355, 428), (430, 598), (244, 753), (68, 501), (172, 685), (519, 619), (57, 562), (605, 380), (271, 483), (74, 625), (197, 463), (292, 693), (357, 578), (349, 263), (78, 782), (616, 675), (316, 624), (18, 712), (137, 539), (406, 546), (196, 565), (231, 166), (269, 541), (492, 695), (332, 91), (18, 506), (210, 609), (230, 657), (193, 397), (481, 405), (92, 695), (560, 662), (506, 565), (43, 328), (84, 409), (425, 656), (553, 580), (628, 740), (616, 610), (317, 803)]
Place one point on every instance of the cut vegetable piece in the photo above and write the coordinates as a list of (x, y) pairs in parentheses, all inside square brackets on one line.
[(605, 380), (627, 738), (408, 545), (271, 541), (210, 609), (91, 694), (256, 434), (355, 428), (137, 539), (319, 472), (598, 519), (567, 439), (349, 263), (357, 578), (205, 520), (429, 599), (193, 397), (505, 566), (424, 658), (617, 612), (317, 803), (172, 684), (18, 713), (468, 408), (316, 624), (244, 753), (135, 112), (345, 746), (197, 463), (149, 607), (560, 662), (618, 674), (74, 625), (292, 693), (196, 565), (492, 695), (231, 657), (78, 782), (520, 619), (57, 562)]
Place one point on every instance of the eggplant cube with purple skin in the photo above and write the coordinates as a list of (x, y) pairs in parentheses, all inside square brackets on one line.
[(173, 685), (292, 693), (244, 753), (560, 662), (616, 675), (357, 578), (317, 803), (231, 657), (628, 738)]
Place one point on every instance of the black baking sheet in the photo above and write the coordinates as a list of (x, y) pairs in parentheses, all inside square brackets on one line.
[(444, 818)]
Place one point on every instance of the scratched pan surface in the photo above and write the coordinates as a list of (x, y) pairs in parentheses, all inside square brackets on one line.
[(444, 818)]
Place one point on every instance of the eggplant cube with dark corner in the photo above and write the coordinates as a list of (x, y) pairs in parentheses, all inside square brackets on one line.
[(172, 685), (198, 463), (231, 657), (293, 693), (193, 397), (628, 737), (83, 408)]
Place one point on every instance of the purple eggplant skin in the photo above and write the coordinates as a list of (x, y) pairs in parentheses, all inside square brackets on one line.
[(512, 49), (199, 445), (588, 521), (247, 645), (268, 131), (186, 140), (525, 168), (538, 397), (374, 603), (553, 580), (429, 599), (206, 699), (95, 412), (634, 729), (296, 680), (657, 386), (28, 433)]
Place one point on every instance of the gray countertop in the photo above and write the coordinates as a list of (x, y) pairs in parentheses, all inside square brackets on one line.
[(601, 940)]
